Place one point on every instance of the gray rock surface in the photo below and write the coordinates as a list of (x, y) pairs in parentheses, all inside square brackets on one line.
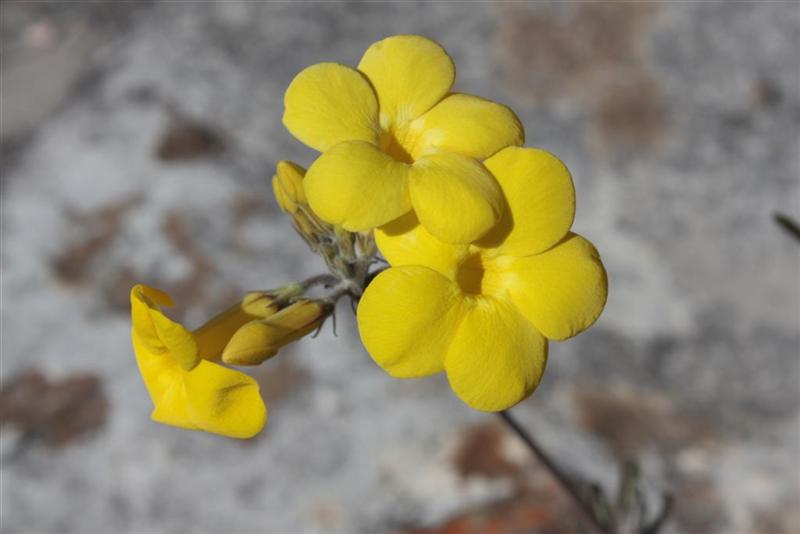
[(680, 124)]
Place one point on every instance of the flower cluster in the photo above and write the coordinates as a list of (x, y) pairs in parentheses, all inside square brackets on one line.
[(484, 268)]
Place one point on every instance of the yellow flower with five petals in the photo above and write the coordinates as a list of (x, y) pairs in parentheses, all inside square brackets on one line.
[(186, 387), (395, 139), (484, 312)]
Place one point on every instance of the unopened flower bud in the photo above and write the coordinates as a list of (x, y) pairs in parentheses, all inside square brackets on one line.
[(287, 185), (214, 335), (261, 339), (340, 248)]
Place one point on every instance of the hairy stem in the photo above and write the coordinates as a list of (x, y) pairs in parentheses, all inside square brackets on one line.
[(320, 279)]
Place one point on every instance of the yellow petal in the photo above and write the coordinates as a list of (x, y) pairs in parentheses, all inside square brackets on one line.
[(224, 401), (496, 358), (406, 319), (212, 337), (328, 103), (540, 201), (144, 299), (142, 327), (454, 196), (160, 373), (467, 124), (156, 296), (410, 74), (357, 186), (172, 406), (561, 291), (405, 242), (157, 331), (178, 341), (287, 186)]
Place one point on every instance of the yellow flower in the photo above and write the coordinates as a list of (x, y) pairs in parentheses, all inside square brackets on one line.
[(484, 312), (187, 389), (393, 138)]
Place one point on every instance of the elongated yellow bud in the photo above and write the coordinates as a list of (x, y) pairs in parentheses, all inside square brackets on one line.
[(214, 334), (260, 339), (287, 185)]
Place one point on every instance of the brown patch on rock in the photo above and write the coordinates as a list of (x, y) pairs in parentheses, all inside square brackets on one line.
[(245, 206), (197, 289), (631, 421), (782, 518), (698, 507), (186, 141), (100, 227), (766, 94), (329, 516), (590, 52), (177, 232), (55, 412), (480, 452), (117, 290), (191, 290), (548, 51), (629, 117), (539, 510)]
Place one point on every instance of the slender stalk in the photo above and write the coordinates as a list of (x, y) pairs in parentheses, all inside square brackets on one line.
[(566, 482), (320, 279), (788, 224)]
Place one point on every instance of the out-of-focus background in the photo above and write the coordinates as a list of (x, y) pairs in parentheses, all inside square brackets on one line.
[(138, 139)]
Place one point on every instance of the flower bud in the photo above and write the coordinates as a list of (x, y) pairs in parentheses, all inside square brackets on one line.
[(287, 185), (214, 335), (339, 248), (261, 339)]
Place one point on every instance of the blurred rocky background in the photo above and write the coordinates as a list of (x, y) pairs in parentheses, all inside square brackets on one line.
[(138, 139)]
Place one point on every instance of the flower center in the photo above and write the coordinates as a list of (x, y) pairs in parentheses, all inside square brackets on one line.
[(391, 142), (481, 275), (471, 274)]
